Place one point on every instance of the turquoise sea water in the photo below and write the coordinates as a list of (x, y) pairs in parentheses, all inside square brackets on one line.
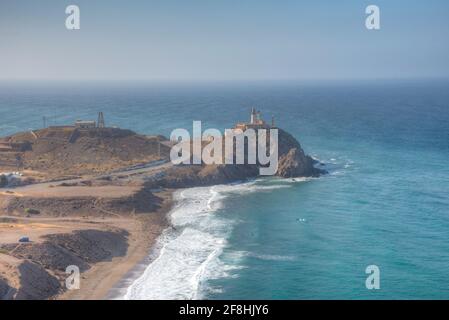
[(385, 201)]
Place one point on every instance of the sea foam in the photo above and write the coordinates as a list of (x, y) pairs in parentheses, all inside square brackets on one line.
[(189, 252)]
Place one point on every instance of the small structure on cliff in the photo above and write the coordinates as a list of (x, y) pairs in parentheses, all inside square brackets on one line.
[(90, 124), (85, 124), (80, 124), (256, 122)]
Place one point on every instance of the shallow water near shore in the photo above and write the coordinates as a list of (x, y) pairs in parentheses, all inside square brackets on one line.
[(384, 202)]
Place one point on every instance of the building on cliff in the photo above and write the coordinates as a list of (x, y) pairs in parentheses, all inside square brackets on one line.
[(85, 124), (80, 124), (256, 122)]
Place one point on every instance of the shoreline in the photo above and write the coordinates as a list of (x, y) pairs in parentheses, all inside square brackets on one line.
[(120, 288), (105, 280), (166, 269), (112, 214), (110, 280)]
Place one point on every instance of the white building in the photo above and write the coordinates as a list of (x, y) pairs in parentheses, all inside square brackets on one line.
[(85, 124)]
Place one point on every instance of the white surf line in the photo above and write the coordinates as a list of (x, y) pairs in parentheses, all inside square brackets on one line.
[(211, 199), (196, 278), (186, 283), (140, 279)]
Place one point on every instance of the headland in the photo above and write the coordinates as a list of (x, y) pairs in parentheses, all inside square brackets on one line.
[(97, 197)]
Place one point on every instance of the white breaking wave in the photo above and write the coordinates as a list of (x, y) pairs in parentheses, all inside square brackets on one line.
[(189, 252), (271, 257), (197, 237)]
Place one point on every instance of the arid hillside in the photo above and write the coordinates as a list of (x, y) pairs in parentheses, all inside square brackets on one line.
[(62, 151)]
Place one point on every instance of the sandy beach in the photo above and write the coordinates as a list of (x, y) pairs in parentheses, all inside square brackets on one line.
[(103, 277)]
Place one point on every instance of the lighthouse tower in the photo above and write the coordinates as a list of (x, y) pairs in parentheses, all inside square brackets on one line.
[(255, 122), (253, 116)]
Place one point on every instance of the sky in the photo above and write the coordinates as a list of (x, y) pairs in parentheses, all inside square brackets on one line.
[(223, 40)]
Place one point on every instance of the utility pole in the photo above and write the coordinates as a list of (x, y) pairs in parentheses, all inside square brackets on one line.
[(19, 161)]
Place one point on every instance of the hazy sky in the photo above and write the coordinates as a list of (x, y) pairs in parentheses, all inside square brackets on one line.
[(223, 40)]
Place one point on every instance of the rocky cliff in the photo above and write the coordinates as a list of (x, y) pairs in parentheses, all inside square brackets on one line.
[(292, 162), (58, 152)]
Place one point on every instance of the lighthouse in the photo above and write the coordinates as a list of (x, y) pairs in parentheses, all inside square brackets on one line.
[(255, 122), (253, 116)]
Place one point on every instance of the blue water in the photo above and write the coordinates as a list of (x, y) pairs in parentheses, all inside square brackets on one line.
[(385, 201)]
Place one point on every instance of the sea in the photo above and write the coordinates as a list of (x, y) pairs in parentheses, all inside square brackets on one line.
[(384, 202)]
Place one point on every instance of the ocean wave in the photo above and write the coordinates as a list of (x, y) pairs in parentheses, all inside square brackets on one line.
[(337, 165), (191, 252), (196, 240), (270, 257)]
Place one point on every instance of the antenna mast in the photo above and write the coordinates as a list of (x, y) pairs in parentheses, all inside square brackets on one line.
[(100, 122)]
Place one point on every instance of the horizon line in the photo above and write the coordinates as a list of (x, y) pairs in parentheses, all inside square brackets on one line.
[(222, 80)]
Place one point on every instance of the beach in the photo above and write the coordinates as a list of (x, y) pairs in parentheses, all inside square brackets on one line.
[(97, 283)]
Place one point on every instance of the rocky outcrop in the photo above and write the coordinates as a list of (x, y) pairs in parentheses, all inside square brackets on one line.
[(202, 175), (296, 164), (293, 162)]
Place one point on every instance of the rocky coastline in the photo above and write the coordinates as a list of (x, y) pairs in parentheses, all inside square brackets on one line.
[(98, 199)]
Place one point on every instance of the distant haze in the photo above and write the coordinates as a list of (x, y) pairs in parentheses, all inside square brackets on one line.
[(223, 40)]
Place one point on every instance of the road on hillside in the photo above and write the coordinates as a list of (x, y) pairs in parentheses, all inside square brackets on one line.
[(150, 168)]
